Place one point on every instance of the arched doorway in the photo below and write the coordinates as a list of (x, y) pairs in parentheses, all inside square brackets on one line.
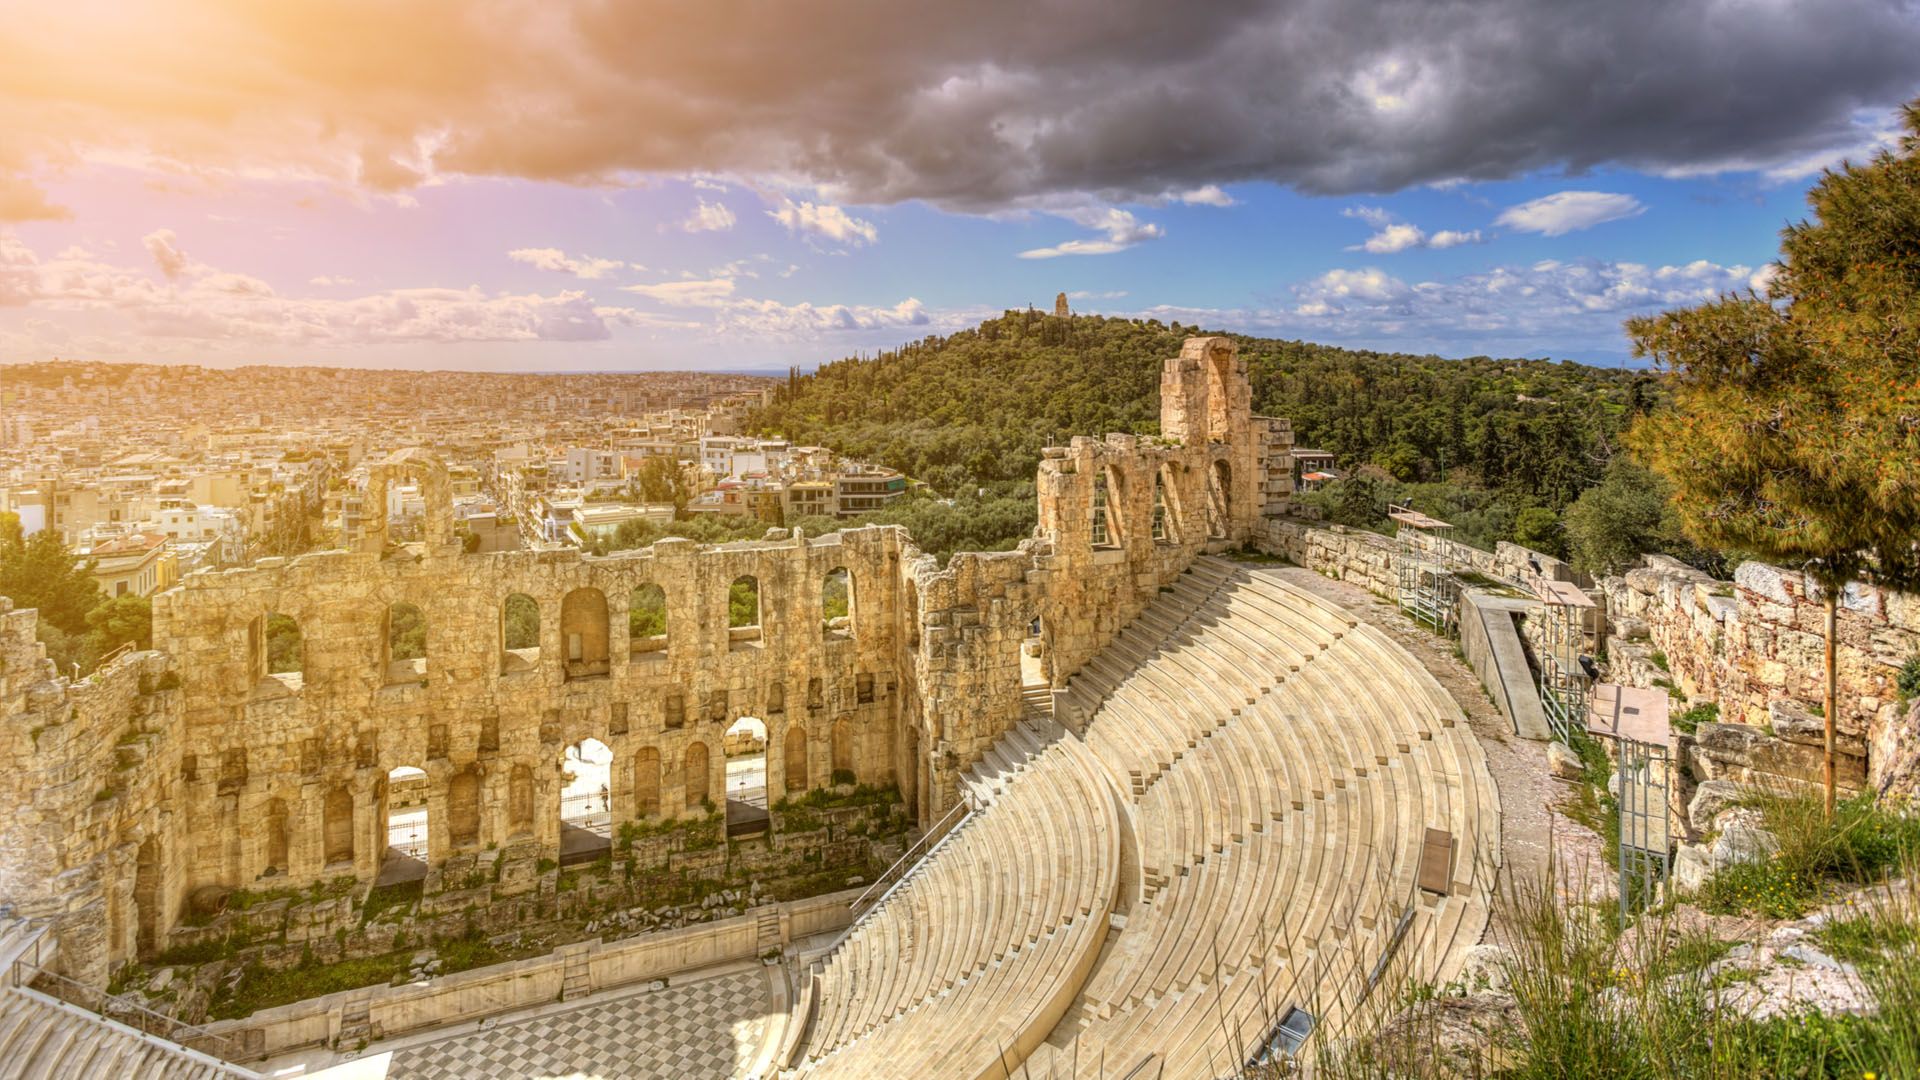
[(404, 801), (745, 745), (586, 802)]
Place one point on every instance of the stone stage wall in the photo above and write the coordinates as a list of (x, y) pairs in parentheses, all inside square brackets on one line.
[(192, 767)]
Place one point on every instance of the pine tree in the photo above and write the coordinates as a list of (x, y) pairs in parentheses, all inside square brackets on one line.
[(1795, 426)]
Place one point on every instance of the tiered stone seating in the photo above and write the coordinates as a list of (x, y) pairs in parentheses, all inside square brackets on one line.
[(977, 952), (45, 1039), (1277, 763), (1284, 763)]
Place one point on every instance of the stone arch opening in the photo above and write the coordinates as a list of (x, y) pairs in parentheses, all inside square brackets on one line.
[(337, 825), (520, 802), (278, 847), (647, 622), (146, 897), (277, 648), (519, 634), (646, 781), (836, 604), (406, 643), (586, 801), (1219, 500), (694, 779), (1036, 654), (583, 632), (463, 809), (746, 747), (1104, 526), (1163, 528), (743, 610), (842, 753), (793, 751), (404, 802)]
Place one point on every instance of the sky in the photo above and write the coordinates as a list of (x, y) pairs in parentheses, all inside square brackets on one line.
[(571, 185)]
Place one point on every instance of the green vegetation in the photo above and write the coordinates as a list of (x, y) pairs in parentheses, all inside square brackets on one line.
[(1689, 721), (261, 987), (1908, 681), (1590, 1002), (520, 622), (1791, 431), (1478, 439), (647, 612), (78, 624), (1862, 841), (284, 645), (406, 632), (743, 603)]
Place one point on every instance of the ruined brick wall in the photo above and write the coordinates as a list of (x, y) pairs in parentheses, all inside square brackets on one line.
[(1760, 638), (241, 778)]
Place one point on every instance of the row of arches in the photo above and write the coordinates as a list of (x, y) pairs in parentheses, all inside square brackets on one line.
[(590, 802), (277, 647)]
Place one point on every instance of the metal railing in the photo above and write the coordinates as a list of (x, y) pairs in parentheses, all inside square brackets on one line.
[(919, 849), (142, 1020)]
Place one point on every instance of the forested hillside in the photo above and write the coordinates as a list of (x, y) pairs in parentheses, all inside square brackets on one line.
[(1500, 446)]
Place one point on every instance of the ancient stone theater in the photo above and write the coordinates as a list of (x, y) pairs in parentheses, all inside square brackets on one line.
[(1162, 811)]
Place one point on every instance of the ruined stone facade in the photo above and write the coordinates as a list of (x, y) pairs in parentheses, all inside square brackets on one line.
[(194, 766)]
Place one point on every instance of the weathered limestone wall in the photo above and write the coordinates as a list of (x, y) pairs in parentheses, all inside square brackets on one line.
[(1759, 639), (238, 778), (86, 775)]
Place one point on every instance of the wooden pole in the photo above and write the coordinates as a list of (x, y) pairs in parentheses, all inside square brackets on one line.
[(1832, 679)]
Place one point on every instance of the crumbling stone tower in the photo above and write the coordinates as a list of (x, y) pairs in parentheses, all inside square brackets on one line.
[(1206, 401)]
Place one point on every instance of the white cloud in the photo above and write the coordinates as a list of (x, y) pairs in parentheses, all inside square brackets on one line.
[(825, 220), (1447, 238), (219, 308), (1568, 211), (1082, 294), (557, 261), (1762, 279), (1368, 284), (1376, 216), (1395, 238), (165, 249), (1208, 195), (1121, 228), (710, 292), (327, 280), (709, 217)]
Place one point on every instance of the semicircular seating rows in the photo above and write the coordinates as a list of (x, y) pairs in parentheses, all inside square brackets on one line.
[(1276, 767)]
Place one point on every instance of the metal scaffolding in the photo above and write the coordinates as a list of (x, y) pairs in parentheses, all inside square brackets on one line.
[(1564, 672), (1428, 590), (1635, 719)]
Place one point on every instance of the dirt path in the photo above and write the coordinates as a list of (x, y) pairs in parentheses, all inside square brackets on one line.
[(1529, 796)]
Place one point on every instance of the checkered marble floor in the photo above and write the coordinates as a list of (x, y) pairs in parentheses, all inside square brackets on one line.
[(705, 1029)]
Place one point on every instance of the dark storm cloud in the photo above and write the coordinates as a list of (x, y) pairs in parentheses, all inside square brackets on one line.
[(985, 104)]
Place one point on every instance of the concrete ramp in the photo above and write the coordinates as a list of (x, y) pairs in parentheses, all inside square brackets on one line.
[(1491, 643)]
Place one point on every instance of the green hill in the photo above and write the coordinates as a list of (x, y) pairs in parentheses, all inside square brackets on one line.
[(1479, 439)]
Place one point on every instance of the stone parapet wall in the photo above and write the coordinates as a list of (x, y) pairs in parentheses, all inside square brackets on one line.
[(1759, 639), (470, 995)]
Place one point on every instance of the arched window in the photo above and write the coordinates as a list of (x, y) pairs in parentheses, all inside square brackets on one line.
[(520, 801), (646, 781), (1103, 533), (694, 775), (519, 634), (836, 603), (463, 808), (284, 652), (795, 746), (586, 799), (277, 846), (647, 621), (1162, 529), (338, 825), (407, 826), (406, 643), (843, 753), (583, 632), (743, 612)]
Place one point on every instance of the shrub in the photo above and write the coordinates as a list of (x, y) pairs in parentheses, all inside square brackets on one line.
[(1690, 720), (1908, 681), (1660, 661)]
